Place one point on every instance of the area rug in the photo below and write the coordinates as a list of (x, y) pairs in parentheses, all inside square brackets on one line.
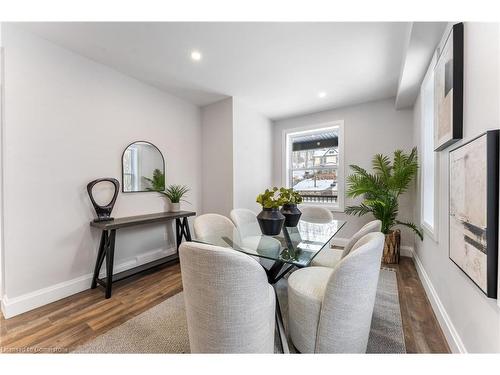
[(163, 328)]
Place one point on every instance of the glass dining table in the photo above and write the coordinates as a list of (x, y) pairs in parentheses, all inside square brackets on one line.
[(293, 247)]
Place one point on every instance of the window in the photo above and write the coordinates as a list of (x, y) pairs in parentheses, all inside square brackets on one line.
[(314, 164), (130, 170), (428, 157)]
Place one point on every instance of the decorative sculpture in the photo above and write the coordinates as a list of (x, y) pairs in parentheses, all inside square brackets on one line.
[(103, 212)]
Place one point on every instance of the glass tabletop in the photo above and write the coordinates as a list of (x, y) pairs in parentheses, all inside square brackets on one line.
[(294, 245)]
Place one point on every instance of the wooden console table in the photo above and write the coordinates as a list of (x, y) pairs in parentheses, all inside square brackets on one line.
[(107, 244)]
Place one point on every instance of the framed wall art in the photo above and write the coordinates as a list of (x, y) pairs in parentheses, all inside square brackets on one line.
[(448, 90), (474, 181)]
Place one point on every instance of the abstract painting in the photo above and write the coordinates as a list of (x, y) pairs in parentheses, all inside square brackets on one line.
[(448, 90), (474, 210)]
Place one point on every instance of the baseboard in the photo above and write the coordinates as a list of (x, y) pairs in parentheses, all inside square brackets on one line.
[(26, 302), (451, 334), (406, 251)]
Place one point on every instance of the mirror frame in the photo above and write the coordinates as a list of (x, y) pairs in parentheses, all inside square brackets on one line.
[(123, 170)]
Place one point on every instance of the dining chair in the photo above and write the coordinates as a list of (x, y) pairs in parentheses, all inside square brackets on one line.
[(208, 224), (330, 309), (330, 257), (246, 223), (316, 214), (230, 305)]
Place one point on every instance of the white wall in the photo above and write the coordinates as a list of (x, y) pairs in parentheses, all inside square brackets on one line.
[(67, 121), (470, 320), (217, 157), (370, 128), (1, 164), (252, 150), (237, 156)]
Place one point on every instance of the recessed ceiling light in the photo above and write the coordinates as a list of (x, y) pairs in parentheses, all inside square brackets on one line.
[(196, 55), (321, 94)]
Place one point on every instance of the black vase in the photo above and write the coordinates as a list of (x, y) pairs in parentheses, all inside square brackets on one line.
[(292, 214), (270, 221)]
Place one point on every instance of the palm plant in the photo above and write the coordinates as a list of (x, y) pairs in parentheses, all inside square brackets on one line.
[(381, 189), (175, 193), (157, 183)]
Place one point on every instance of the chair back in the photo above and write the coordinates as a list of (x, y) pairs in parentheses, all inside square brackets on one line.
[(246, 222), (372, 226), (316, 214), (349, 299), (230, 305), (209, 224)]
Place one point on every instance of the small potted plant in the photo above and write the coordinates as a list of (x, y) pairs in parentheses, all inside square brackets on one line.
[(290, 199), (270, 218), (175, 193)]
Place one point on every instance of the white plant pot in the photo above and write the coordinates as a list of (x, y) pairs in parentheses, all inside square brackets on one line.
[(166, 205), (175, 207)]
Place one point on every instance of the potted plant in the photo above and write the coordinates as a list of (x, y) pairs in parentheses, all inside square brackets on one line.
[(381, 190), (290, 200), (270, 218), (175, 193)]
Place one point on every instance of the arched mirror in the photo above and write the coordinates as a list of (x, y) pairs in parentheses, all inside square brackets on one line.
[(143, 168)]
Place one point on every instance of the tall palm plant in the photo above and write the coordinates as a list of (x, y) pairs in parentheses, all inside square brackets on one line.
[(157, 183), (382, 188)]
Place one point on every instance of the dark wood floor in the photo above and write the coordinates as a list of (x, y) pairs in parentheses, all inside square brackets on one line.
[(65, 324), (421, 328)]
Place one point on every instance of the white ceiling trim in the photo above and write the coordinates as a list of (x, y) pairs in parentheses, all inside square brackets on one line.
[(423, 38)]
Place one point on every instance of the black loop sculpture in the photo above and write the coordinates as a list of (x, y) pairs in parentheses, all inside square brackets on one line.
[(103, 212)]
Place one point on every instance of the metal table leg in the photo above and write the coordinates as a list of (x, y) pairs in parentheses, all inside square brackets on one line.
[(274, 275), (101, 253), (182, 231), (281, 328), (110, 257)]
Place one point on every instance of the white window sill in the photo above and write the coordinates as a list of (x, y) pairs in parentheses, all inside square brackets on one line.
[(325, 205), (429, 231)]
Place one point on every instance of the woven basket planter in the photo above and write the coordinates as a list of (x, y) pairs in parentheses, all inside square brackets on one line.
[(392, 247)]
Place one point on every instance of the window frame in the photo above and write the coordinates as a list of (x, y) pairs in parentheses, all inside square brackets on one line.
[(431, 230), (133, 167), (286, 159)]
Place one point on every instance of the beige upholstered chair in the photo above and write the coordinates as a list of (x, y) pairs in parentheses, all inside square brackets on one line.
[(330, 257), (208, 224), (246, 222), (330, 310), (316, 214), (230, 305), (250, 233)]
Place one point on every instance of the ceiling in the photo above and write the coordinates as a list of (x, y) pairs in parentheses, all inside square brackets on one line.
[(278, 69)]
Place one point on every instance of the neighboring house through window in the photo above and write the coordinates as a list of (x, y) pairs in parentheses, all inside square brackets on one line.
[(314, 164)]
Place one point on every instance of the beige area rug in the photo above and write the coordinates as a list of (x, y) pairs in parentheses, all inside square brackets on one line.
[(163, 328)]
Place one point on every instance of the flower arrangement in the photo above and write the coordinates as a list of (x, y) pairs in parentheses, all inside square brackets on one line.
[(270, 198)]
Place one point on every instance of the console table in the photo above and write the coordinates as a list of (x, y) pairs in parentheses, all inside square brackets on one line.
[(107, 244)]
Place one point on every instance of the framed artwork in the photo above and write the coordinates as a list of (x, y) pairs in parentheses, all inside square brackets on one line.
[(474, 181), (449, 90)]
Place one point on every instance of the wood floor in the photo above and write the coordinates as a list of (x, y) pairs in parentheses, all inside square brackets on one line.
[(63, 325), (421, 328)]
